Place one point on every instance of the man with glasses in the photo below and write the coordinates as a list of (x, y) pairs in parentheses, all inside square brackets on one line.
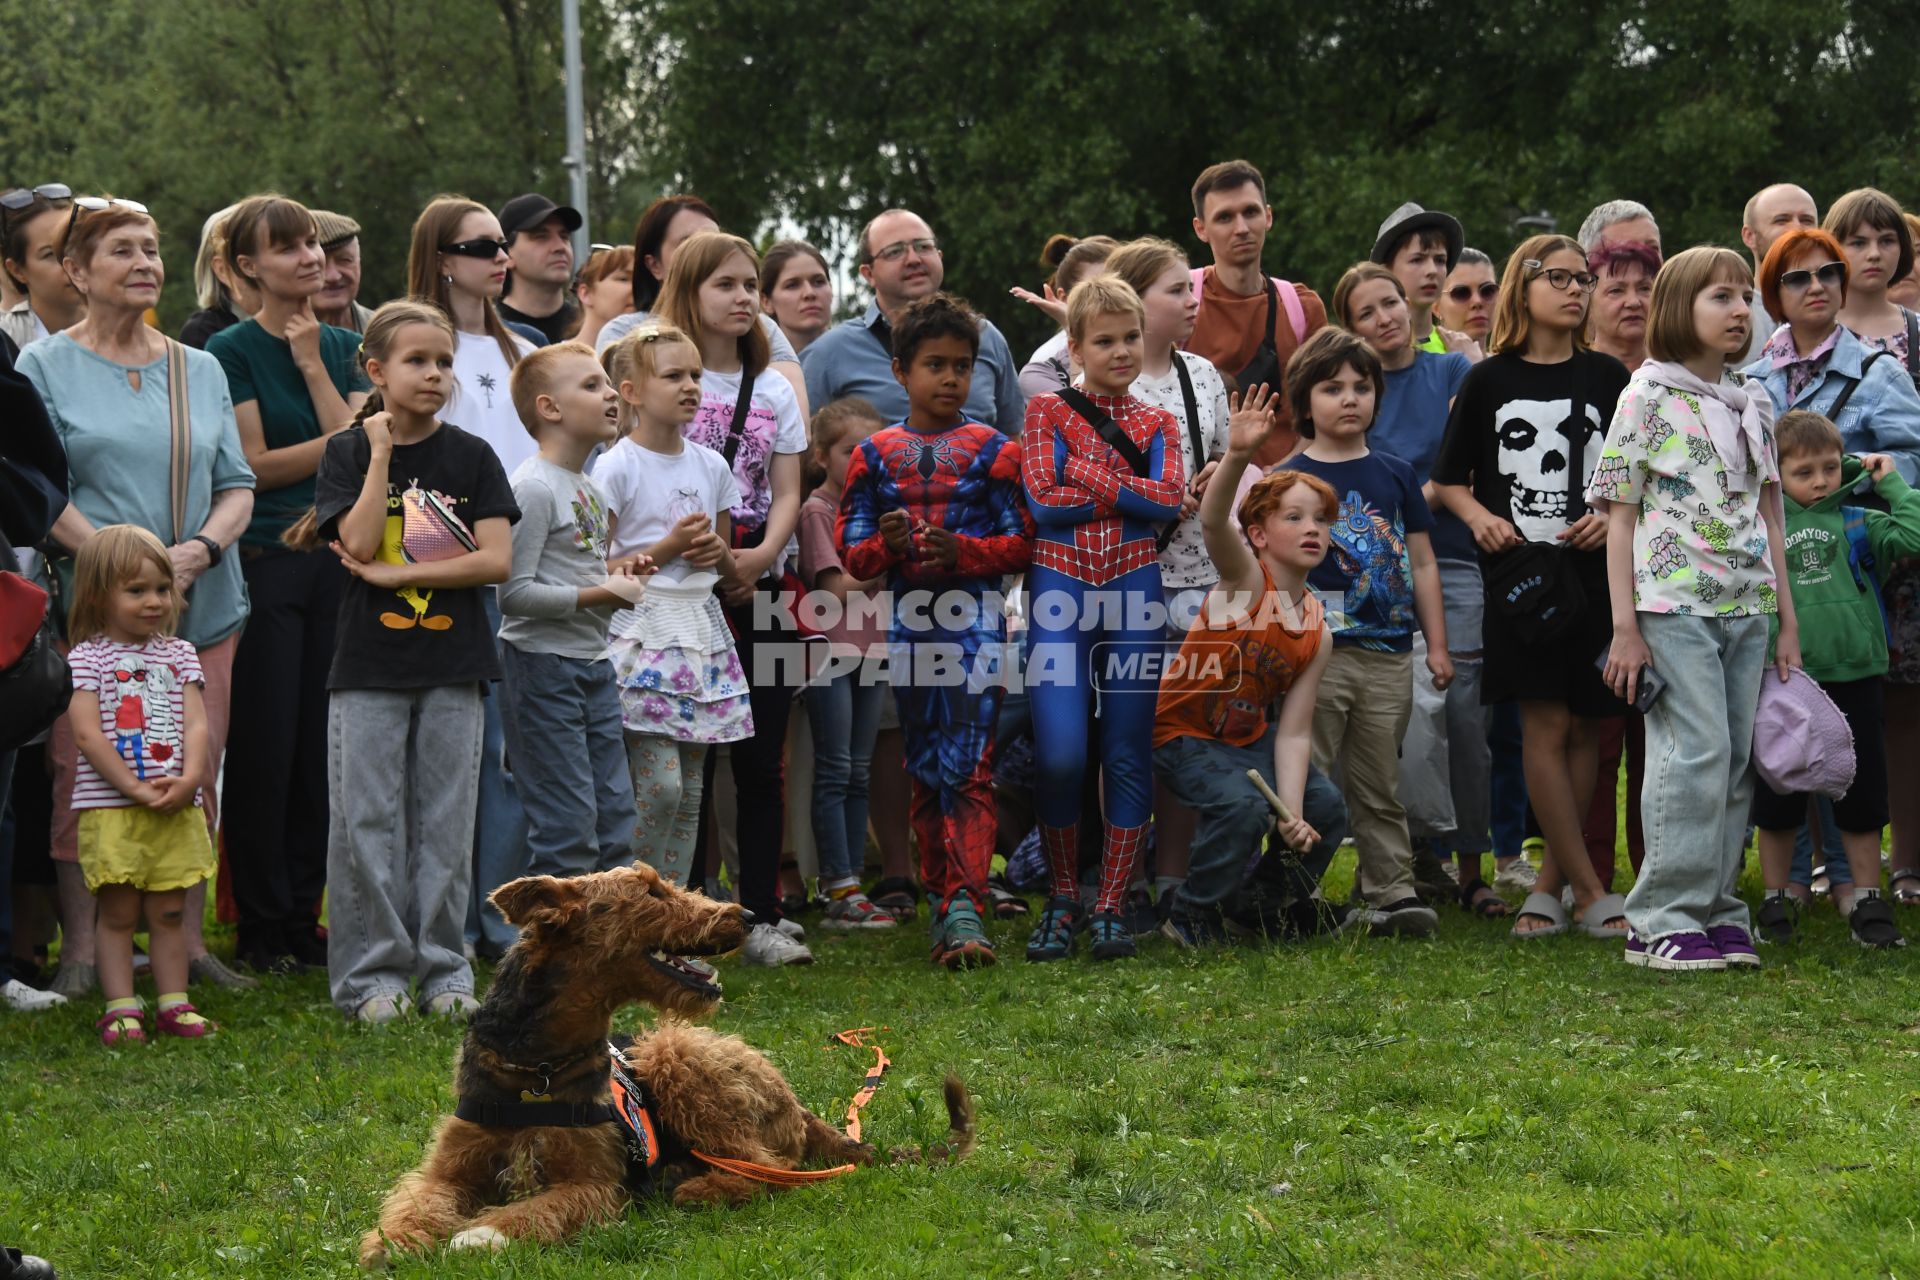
[(538, 294), (1772, 212), (336, 303), (901, 260)]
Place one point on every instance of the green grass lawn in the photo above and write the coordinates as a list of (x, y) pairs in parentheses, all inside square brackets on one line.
[(1462, 1107)]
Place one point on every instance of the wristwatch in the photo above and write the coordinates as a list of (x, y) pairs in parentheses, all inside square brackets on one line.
[(214, 549)]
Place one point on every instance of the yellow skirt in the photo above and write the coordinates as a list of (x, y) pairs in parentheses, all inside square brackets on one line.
[(151, 851)]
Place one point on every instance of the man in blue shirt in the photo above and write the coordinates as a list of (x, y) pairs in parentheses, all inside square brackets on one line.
[(901, 260)]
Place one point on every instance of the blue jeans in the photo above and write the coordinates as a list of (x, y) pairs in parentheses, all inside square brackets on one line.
[(1508, 781), (1838, 870), (562, 722), (1698, 791), (1209, 777), (500, 824), (844, 714)]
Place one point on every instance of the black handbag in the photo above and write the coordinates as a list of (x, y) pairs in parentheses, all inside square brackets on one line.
[(37, 685), (1534, 586)]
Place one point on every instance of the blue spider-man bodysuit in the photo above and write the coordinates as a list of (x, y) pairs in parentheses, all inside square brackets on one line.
[(1095, 582), (947, 659)]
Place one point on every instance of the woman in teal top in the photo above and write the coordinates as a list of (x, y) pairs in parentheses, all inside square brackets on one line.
[(105, 384), (296, 382)]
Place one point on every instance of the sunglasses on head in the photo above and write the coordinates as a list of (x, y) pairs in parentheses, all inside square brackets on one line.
[(480, 247), (20, 197), (1832, 275), (1488, 291), (100, 204)]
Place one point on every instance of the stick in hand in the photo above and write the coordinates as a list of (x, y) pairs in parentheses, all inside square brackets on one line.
[(1273, 801)]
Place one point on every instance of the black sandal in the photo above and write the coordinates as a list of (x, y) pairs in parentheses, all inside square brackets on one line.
[(1006, 903), (1491, 907), (897, 896)]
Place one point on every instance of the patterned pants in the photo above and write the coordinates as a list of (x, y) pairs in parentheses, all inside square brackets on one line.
[(667, 788)]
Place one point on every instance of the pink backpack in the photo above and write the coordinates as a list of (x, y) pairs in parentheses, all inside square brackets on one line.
[(1289, 296)]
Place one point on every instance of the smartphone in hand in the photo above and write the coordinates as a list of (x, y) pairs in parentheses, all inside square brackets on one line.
[(1651, 684)]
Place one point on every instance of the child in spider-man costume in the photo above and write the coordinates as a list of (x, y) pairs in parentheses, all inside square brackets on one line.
[(935, 505), (1095, 620)]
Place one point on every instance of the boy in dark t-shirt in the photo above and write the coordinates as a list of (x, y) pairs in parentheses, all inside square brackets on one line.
[(1378, 581)]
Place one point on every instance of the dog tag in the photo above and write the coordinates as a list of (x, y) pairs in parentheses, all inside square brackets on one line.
[(527, 1095)]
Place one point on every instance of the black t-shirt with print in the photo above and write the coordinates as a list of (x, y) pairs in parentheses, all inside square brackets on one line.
[(556, 326), (1510, 435), (411, 639)]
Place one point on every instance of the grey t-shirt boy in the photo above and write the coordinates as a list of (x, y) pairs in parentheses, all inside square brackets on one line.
[(559, 546)]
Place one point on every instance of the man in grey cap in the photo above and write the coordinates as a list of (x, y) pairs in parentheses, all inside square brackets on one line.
[(335, 303), (537, 295), (1420, 247)]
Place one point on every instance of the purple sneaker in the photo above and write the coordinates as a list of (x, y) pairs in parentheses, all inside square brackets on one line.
[(1676, 951), (1735, 946)]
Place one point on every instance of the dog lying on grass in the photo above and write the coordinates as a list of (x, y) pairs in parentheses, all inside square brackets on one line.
[(556, 1128)]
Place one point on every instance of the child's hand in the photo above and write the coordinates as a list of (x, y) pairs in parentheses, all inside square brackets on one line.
[(1048, 301), (1877, 465), (1201, 481), (685, 532), (379, 429), (1440, 667), (938, 546), (706, 551), (1588, 533), (1492, 534), (751, 565), (1786, 649), (637, 565), (1625, 660), (1298, 835), (171, 794), (375, 573), (896, 530), (1252, 422)]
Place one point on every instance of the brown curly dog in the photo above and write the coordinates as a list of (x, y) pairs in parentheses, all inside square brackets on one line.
[(536, 1148)]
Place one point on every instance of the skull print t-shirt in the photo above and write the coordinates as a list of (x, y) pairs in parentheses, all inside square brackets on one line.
[(1513, 436), (143, 710)]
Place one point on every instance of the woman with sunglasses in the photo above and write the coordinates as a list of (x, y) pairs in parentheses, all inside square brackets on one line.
[(32, 224), (458, 261), (604, 288), (1521, 443), (107, 387), (1465, 304)]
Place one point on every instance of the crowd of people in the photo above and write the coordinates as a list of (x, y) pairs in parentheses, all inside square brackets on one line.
[(484, 582)]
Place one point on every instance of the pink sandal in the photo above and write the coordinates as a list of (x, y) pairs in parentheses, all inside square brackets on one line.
[(168, 1020), (113, 1034)]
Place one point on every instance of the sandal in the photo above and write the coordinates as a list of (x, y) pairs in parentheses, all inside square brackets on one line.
[(1112, 936), (1489, 907), (169, 1023), (113, 1029), (1006, 903), (1822, 883), (1541, 906), (1778, 919), (896, 896), (1905, 894), (1052, 938), (1610, 906)]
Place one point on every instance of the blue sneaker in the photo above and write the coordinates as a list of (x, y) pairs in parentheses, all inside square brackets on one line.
[(1112, 936), (1052, 938), (959, 942)]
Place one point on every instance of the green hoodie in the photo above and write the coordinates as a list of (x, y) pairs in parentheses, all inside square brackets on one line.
[(1842, 636)]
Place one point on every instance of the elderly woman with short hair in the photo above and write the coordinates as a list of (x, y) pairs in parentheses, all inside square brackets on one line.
[(108, 384)]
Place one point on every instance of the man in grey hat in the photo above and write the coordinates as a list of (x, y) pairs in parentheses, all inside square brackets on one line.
[(336, 303), (1420, 247)]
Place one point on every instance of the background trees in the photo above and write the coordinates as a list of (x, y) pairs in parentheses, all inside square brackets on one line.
[(1000, 120)]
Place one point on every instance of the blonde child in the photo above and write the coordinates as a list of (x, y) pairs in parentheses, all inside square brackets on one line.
[(1691, 488), (419, 512), (845, 698), (141, 729), (682, 687)]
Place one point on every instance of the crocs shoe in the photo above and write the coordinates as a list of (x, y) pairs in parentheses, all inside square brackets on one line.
[(169, 1021), (959, 940), (122, 1026), (1052, 938), (1112, 936)]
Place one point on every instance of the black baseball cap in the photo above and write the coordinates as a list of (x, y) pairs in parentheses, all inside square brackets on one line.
[(522, 212)]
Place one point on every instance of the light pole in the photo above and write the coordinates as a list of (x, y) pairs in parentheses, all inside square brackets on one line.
[(576, 157)]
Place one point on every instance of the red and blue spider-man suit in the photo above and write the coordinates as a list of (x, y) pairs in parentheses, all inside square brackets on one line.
[(1095, 582), (948, 640)]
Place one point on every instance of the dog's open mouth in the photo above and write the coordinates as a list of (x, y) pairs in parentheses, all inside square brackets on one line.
[(691, 974)]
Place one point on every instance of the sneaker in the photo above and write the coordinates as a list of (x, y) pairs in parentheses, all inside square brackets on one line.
[(1517, 876), (208, 969), (959, 941), (1433, 880), (791, 927), (1407, 918), (767, 945), (856, 911), (74, 980), (1111, 935), (453, 1004), (1052, 938), (1143, 918), (1190, 933), (1677, 952), (18, 995), (1735, 945), (1778, 919), (1872, 922), (380, 1009)]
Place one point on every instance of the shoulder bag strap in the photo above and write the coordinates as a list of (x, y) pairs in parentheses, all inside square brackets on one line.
[(1273, 317), (739, 424), (1192, 406), (1108, 429), (1296, 313), (180, 464), (1577, 449), (1913, 342), (1834, 409)]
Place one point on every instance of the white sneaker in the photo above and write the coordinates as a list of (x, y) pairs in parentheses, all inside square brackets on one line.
[(767, 946), (453, 1004), (18, 995), (1517, 876), (792, 928)]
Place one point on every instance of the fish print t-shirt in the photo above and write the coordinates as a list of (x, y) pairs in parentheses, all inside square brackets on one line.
[(411, 638), (143, 710), (1366, 581)]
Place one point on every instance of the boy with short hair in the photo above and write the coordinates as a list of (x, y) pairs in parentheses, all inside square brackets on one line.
[(1831, 552), (1380, 581), (934, 505), (561, 707)]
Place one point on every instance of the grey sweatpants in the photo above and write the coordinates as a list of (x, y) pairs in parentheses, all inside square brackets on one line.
[(403, 770)]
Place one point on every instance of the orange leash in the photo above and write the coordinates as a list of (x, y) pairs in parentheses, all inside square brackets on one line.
[(802, 1177)]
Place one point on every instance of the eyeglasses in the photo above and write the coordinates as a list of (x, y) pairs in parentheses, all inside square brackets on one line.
[(898, 250), (1559, 277), (478, 248), (1832, 275), (593, 249), (20, 197), (99, 204), (1464, 292)]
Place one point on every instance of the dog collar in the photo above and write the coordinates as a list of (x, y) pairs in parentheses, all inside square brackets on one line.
[(525, 1115)]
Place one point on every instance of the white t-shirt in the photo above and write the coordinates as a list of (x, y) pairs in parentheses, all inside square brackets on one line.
[(1185, 563), (648, 493), (482, 404)]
